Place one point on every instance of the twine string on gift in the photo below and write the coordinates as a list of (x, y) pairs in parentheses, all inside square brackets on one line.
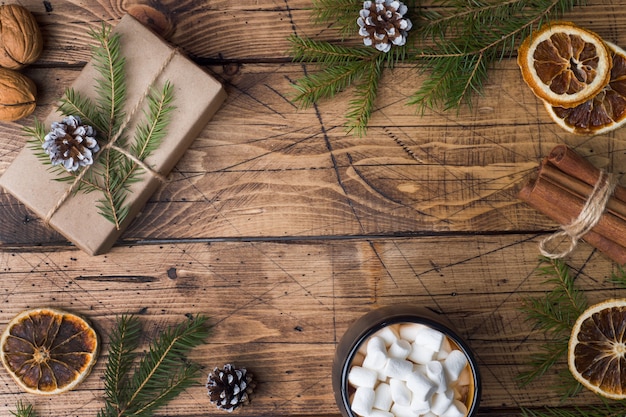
[(588, 217), (111, 143)]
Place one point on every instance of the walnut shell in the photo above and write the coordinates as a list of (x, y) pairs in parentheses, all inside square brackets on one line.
[(21, 42), (17, 95)]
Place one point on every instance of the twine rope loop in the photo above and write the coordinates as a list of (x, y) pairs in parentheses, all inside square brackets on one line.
[(588, 217)]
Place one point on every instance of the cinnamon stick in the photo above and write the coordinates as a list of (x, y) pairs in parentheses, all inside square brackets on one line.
[(571, 163), (562, 207), (579, 188)]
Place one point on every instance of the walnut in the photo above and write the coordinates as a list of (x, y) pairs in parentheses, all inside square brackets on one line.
[(17, 95), (21, 42)]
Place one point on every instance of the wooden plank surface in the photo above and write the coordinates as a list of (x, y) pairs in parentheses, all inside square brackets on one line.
[(283, 229), (279, 308)]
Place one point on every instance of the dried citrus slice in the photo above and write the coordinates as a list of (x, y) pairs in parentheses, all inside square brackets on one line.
[(604, 112), (597, 349), (564, 64), (48, 351)]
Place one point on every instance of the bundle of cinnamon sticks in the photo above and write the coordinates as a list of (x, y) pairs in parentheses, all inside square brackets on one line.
[(563, 184)]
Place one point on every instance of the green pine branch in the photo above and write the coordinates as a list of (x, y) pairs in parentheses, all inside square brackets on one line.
[(24, 410), (361, 106), (162, 374), (453, 44), (125, 339), (341, 14), (554, 314), (111, 86), (468, 39), (75, 104)]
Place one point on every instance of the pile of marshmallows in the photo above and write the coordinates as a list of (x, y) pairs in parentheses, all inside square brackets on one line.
[(409, 370)]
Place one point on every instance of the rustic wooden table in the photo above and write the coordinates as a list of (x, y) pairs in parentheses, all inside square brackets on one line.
[(284, 230)]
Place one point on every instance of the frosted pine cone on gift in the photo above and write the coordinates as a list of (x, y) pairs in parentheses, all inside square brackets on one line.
[(71, 143), (382, 24)]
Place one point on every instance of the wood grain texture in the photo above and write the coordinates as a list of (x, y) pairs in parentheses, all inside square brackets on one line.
[(284, 230), (279, 308)]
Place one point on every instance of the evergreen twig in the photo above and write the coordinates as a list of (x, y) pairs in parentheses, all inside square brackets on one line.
[(23, 410), (161, 374), (453, 43), (554, 314)]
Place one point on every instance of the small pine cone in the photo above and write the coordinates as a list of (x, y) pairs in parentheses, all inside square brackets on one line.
[(382, 24), (230, 387), (71, 144)]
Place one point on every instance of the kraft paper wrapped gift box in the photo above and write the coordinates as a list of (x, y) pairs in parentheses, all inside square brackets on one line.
[(197, 96)]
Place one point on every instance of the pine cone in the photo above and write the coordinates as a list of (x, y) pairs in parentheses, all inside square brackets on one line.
[(382, 24), (70, 143), (230, 387)]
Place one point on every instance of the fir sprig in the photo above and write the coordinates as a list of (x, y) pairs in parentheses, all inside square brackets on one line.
[(23, 410), (453, 43), (554, 313), (468, 38), (114, 171)]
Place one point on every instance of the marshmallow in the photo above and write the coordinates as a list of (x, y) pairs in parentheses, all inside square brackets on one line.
[(454, 364), (457, 409), (400, 393), (420, 407), (376, 344), (421, 387), (398, 368), (362, 377), (400, 349), (402, 411), (382, 397), (375, 360), (421, 354), (441, 402), (431, 338), (380, 413), (363, 401), (434, 372), (410, 330), (388, 334)]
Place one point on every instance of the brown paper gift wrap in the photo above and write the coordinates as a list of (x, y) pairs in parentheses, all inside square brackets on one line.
[(197, 96)]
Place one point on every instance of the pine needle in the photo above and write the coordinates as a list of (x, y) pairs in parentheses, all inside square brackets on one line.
[(23, 410), (365, 96), (554, 314), (161, 374)]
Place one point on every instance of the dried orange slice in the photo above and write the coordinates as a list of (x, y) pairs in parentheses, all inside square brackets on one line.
[(597, 349), (564, 64), (48, 351), (604, 112)]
